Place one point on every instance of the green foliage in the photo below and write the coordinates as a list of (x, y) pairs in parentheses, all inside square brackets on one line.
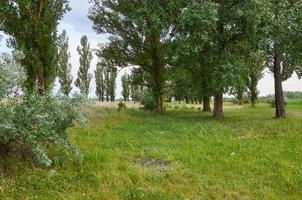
[(64, 67), (147, 100), (100, 81), (139, 35), (112, 84), (293, 95), (126, 87), (12, 75), (39, 123), (106, 74), (84, 78), (121, 105), (32, 27), (136, 82)]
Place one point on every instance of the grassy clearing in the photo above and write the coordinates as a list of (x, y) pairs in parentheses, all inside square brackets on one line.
[(182, 155)]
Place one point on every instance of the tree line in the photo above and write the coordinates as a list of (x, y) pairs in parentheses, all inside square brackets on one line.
[(203, 49), (188, 50)]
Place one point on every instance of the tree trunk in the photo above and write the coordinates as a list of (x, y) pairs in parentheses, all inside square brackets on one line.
[(218, 106), (160, 103), (40, 81), (187, 100), (206, 104), (253, 100), (279, 96), (253, 82)]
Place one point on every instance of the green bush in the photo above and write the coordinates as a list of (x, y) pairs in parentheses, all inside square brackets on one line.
[(148, 100), (121, 105), (39, 124)]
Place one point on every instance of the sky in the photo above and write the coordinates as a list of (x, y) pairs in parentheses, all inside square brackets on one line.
[(77, 24)]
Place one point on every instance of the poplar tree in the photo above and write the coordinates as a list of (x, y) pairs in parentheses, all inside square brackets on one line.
[(100, 82), (112, 84), (126, 87), (64, 67), (109, 72), (282, 31), (140, 35), (208, 34), (84, 78), (32, 27)]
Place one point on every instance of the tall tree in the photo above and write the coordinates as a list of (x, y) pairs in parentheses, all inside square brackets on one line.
[(255, 64), (84, 78), (64, 67), (12, 75), (139, 35), (209, 31), (231, 27), (283, 20), (136, 84), (100, 82), (112, 84), (32, 27), (126, 87)]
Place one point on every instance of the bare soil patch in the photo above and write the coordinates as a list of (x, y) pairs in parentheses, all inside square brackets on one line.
[(153, 164)]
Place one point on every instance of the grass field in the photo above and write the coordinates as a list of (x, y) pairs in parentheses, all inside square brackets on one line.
[(135, 154)]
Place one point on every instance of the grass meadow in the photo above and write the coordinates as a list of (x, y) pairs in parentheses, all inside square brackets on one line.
[(184, 154)]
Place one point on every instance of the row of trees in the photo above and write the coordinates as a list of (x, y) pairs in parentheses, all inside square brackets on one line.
[(105, 73), (218, 45), (203, 48), (32, 27)]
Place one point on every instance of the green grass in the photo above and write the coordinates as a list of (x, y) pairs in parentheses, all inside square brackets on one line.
[(246, 155)]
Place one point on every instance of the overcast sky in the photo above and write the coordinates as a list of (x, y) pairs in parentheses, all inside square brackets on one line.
[(77, 24)]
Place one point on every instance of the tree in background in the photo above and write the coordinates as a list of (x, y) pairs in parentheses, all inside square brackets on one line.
[(255, 70), (231, 28), (126, 87), (181, 82), (208, 39), (12, 75), (282, 31), (112, 84), (239, 90), (109, 75), (136, 82), (64, 67), (139, 35), (32, 27), (100, 83), (194, 45), (84, 78)]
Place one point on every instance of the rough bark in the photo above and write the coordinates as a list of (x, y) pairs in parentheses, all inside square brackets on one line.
[(206, 104), (160, 103), (253, 90), (40, 78), (157, 67), (218, 106), (254, 101), (279, 96)]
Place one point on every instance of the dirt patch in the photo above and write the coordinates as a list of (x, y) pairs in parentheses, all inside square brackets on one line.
[(153, 164)]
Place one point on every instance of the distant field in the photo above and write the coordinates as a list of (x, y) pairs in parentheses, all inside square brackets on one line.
[(184, 154)]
